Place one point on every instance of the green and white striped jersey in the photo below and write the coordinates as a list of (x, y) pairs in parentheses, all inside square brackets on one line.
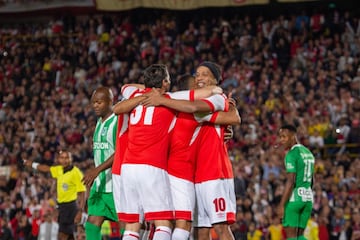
[(301, 161), (103, 147)]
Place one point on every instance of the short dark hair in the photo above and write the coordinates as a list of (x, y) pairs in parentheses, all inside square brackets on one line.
[(214, 69), (289, 127), (154, 75), (184, 81)]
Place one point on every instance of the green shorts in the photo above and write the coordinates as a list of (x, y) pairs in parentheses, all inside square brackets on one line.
[(297, 214), (102, 204)]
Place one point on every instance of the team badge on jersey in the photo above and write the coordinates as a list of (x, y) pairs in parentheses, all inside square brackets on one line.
[(65, 187), (104, 131)]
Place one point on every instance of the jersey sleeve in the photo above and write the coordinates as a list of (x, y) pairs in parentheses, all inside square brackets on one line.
[(55, 171), (217, 102), (182, 95), (206, 117), (80, 187), (290, 162), (127, 91)]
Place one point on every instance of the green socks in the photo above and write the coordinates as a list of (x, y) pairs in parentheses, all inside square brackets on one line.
[(92, 231)]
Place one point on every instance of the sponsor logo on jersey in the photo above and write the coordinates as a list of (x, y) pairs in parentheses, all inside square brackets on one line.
[(104, 131), (101, 145), (65, 187), (307, 156), (290, 166), (305, 193)]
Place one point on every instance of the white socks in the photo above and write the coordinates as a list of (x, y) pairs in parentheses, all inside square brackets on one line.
[(162, 233), (180, 234), (129, 235)]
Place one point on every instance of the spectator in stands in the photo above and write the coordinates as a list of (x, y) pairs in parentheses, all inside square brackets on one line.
[(49, 229)]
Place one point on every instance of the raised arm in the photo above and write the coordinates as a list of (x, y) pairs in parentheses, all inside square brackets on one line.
[(178, 105), (125, 106), (207, 92), (37, 166)]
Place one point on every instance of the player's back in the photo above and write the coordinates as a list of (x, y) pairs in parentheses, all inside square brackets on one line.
[(305, 162), (148, 136), (181, 161), (211, 156)]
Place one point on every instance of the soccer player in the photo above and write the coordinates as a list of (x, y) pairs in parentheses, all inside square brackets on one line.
[(70, 192), (296, 203), (181, 162), (214, 179), (144, 188), (99, 179)]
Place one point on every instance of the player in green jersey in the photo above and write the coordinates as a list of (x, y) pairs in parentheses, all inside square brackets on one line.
[(99, 179), (297, 201)]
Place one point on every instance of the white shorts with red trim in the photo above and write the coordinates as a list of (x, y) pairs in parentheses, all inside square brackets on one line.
[(144, 189), (216, 202), (183, 197), (116, 191)]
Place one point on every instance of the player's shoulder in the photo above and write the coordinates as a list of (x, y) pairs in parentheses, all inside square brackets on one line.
[(129, 91)]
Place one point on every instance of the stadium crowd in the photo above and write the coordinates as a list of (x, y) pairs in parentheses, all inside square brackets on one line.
[(302, 68)]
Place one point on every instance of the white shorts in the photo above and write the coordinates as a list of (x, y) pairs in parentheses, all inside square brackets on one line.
[(144, 189), (216, 202), (183, 197), (116, 191)]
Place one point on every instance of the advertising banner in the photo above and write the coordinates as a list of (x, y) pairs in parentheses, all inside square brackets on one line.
[(119, 5), (16, 6)]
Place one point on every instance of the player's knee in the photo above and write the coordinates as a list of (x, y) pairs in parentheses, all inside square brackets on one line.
[(95, 220), (291, 232), (183, 224), (202, 233), (222, 229)]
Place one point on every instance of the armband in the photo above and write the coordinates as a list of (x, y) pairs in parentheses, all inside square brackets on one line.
[(34, 165)]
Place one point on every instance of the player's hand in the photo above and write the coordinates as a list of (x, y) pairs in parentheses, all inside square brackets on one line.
[(77, 219), (153, 98), (90, 176), (229, 133), (217, 90), (232, 101)]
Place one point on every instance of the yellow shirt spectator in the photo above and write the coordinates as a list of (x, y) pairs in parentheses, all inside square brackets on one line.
[(312, 230)]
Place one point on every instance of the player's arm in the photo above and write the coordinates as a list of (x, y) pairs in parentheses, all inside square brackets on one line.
[(207, 92), (125, 106), (91, 174), (37, 166), (231, 117), (81, 198), (178, 105), (81, 205), (289, 186)]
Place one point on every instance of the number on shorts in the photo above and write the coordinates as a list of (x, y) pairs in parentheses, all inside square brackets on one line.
[(220, 204)]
